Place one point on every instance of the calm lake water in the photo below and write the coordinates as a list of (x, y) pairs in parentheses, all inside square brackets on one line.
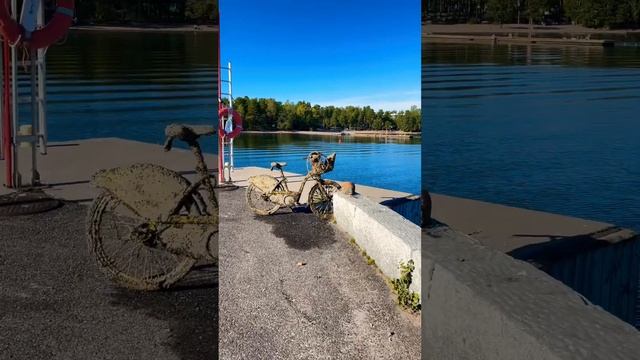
[(130, 85), (388, 164), (551, 129)]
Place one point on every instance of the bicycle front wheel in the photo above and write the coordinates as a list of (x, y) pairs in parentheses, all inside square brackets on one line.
[(320, 199), (125, 254)]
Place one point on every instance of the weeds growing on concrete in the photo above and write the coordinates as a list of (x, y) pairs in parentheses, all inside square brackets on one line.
[(406, 298)]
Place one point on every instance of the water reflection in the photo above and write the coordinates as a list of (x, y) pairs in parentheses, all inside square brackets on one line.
[(552, 129), (129, 84)]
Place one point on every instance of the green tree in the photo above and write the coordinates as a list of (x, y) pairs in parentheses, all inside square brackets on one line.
[(536, 9), (268, 114), (501, 11), (201, 11)]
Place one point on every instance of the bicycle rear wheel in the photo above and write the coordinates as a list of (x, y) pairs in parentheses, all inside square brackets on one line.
[(258, 203), (124, 248)]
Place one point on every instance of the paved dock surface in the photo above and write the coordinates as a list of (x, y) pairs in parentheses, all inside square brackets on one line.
[(67, 168), (55, 303), (274, 307), (241, 175), (511, 230)]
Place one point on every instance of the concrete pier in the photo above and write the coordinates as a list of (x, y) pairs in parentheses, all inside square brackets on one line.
[(67, 168), (598, 260), (506, 228), (479, 303)]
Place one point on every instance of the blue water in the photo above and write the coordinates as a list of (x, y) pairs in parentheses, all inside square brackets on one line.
[(388, 164), (551, 129), (129, 85)]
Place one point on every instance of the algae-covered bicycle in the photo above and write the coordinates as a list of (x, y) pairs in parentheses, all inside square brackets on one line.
[(267, 194), (150, 225)]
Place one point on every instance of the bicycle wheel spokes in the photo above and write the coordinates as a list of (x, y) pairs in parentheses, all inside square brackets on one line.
[(320, 201), (132, 255), (259, 202), (125, 246)]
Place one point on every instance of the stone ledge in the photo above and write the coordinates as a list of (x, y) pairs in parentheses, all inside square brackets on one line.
[(482, 304), (387, 237)]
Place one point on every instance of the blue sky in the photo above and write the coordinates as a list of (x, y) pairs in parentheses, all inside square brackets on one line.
[(331, 52)]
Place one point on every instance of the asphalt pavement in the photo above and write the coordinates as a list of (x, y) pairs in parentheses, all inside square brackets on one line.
[(293, 287), (56, 304)]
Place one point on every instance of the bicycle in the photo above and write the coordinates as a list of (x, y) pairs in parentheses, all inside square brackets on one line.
[(150, 225), (267, 194)]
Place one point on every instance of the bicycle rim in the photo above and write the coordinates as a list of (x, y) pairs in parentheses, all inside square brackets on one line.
[(123, 258)]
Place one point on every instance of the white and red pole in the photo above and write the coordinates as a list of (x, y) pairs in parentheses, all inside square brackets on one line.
[(7, 149), (220, 105)]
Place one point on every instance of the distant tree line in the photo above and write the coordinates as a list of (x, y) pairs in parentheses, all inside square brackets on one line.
[(591, 13), (147, 11), (269, 114)]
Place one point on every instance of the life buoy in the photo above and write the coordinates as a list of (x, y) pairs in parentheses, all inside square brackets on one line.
[(41, 38), (9, 28), (237, 122)]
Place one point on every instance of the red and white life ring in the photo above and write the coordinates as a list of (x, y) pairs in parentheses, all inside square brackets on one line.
[(237, 122), (13, 32)]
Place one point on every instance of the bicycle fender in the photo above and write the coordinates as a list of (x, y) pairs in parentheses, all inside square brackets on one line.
[(265, 183), (331, 182), (148, 189)]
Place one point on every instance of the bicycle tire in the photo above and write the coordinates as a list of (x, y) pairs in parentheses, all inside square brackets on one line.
[(252, 203), (111, 267)]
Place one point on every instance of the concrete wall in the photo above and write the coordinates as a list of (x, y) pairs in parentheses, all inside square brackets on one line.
[(608, 276), (482, 304), (385, 235), (409, 207)]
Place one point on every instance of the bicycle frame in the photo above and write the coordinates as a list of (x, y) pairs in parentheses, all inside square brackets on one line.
[(297, 194), (193, 190)]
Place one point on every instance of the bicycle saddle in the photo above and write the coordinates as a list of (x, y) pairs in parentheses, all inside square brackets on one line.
[(186, 133), (278, 165)]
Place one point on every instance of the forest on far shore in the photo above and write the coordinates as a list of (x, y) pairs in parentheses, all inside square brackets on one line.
[(590, 13), (204, 12), (269, 114)]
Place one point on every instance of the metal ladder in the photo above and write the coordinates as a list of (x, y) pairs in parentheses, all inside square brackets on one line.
[(223, 141), (32, 133)]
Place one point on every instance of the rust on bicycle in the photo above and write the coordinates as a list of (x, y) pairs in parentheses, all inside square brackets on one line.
[(150, 225), (267, 194)]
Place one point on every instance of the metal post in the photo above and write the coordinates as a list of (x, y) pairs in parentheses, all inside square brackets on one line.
[(221, 170), (42, 132), (17, 181), (220, 134), (35, 117), (230, 157), (6, 119), (2, 64)]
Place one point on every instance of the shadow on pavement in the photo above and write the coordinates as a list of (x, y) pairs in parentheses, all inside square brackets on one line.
[(301, 229), (190, 309)]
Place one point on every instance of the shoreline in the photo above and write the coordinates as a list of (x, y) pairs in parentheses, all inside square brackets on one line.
[(148, 28), (519, 34), (479, 29), (353, 133)]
